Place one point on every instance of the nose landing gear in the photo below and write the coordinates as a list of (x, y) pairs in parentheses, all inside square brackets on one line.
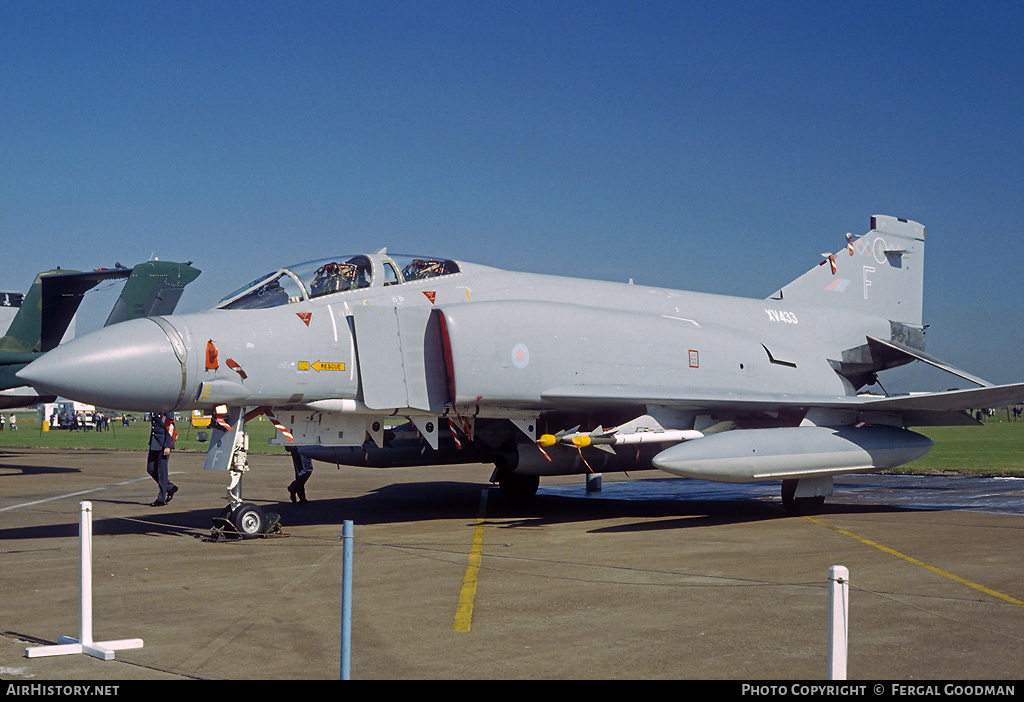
[(241, 520), (245, 521)]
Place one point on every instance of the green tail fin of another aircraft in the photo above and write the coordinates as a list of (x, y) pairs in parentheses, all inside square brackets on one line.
[(50, 304)]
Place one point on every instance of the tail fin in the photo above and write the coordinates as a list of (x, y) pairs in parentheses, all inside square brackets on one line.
[(153, 288), (49, 307), (45, 313), (880, 274), (48, 311)]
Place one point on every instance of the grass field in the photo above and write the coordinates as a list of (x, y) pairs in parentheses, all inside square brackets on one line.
[(995, 448), (134, 437)]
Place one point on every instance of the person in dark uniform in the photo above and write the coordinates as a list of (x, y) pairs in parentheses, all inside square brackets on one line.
[(303, 469), (161, 440)]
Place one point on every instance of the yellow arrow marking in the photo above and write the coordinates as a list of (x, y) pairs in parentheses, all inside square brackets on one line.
[(321, 366)]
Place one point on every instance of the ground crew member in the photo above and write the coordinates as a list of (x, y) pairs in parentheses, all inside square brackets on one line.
[(161, 440), (303, 469)]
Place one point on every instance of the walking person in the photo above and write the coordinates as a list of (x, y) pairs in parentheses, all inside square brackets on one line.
[(303, 469), (161, 440)]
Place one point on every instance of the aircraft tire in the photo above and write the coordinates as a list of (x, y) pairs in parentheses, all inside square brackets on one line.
[(798, 506), (518, 488), (249, 520)]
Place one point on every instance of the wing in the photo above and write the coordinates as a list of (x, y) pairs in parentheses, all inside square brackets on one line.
[(924, 409)]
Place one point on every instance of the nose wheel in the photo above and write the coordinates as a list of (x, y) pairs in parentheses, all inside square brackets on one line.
[(245, 521), (239, 519)]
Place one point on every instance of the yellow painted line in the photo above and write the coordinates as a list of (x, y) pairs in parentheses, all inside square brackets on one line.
[(464, 612), (922, 564)]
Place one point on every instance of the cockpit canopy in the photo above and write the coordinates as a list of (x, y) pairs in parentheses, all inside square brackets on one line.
[(334, 275)]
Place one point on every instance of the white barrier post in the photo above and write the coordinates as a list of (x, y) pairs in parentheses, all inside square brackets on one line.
[(838, 621), (104, 650)]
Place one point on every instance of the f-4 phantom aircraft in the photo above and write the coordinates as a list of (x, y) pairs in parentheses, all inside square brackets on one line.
[(544, 375), (46, 312)]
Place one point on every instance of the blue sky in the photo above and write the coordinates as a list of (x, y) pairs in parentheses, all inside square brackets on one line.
[(714, 146)]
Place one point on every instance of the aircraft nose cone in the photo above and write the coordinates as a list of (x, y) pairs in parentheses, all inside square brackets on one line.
[(128, 366)]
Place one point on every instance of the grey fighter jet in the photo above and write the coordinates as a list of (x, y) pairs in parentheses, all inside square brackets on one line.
[(544, 375)]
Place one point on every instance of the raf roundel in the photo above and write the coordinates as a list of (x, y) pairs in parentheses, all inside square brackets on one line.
[(520, 356)]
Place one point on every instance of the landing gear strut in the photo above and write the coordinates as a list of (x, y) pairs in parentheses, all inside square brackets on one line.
[(806, 495), (242, 520), (515, 487)]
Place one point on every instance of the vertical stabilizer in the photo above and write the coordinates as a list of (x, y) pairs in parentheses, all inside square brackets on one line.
[(880, 274), (45, 312), (152, 289)]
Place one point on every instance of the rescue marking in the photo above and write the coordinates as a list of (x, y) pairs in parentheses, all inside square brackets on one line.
[(922, 564), (464, 612), (305, 317), (431, 295), (320, 366)]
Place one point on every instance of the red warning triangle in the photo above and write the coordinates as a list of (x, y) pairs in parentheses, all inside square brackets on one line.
[(430, 295), (304, 316)]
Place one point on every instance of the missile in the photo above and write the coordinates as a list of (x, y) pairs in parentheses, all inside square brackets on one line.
[(746, 455), (605, 441)]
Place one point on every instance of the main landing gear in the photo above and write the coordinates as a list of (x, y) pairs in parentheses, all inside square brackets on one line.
[(515, 487), (805, 495)]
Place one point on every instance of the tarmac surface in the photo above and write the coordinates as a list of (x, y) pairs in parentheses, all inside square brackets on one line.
[(653, 577)]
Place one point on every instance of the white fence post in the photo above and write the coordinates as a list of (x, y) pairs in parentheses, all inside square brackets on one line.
[(104, 650), (838, 621)]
